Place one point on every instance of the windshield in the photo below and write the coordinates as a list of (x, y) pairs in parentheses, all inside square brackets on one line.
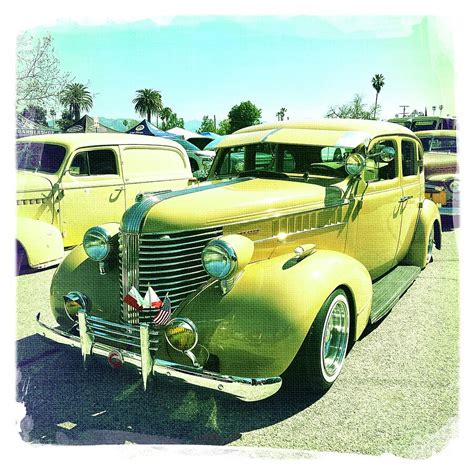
[(283, 161), (42, 157), (440, 144)]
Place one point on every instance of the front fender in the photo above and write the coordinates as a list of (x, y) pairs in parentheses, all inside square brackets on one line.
[(42, 242), (429, 216), (78, 272), (257, 328)]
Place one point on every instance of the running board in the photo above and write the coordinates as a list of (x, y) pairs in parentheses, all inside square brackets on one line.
[(388, 290)]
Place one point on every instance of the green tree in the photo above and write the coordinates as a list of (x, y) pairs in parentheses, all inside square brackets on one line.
[(76, 97), (355, 109), (224, 127), (243, 115), (39, 78), (378, 81), (207, 125), (35, 114), (174, 121), (281, 114), (166, 113), (65, 121), (147, 102)]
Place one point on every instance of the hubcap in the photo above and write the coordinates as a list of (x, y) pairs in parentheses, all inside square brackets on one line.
[(335, 338), (429, 250)]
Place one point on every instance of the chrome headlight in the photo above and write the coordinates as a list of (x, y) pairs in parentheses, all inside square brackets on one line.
[(453, 186), (219, 259), (97, 243), (75, 301), (181, 334)]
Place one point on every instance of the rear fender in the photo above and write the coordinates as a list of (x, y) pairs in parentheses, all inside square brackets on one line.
[(259, 326), (429, 216)]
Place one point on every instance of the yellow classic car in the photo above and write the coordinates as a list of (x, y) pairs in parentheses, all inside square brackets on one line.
[(305, 233), (441, 172), (69, 182)]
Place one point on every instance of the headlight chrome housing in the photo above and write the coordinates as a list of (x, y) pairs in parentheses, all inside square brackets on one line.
[(453, 185), (97, 243), (75, 301), (181, 334), (219, 259)]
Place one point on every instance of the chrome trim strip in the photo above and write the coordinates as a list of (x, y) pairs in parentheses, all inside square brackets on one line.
[(290, 234), (246, 389)]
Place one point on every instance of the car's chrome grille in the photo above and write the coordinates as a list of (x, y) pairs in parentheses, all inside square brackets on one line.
[(127, 335), (169, 263)]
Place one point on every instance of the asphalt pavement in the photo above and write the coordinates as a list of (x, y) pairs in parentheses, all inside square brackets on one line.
[(398, 391)]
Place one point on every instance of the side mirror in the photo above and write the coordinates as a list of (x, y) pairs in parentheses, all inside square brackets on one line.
[(387, 154), (382, 153), (74, 171), (354, 164)]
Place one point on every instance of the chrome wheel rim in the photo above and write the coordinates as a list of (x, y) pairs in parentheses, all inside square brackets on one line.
[(429, 250), (335, 338)]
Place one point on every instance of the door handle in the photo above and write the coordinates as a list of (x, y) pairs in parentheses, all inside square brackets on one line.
[(404, 198)]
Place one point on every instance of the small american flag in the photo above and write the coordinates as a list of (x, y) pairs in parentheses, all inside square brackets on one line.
[(163, 315)]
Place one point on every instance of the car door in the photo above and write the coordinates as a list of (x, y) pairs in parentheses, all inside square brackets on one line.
[(377, 213), (91, 192), (412, 190)]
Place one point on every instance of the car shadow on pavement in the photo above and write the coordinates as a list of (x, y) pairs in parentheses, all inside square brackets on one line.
[(71, 403)]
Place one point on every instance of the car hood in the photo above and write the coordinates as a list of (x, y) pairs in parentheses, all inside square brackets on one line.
[(28, 181), (229, 202)]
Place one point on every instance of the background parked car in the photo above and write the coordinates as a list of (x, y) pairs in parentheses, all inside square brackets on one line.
[(201, 160), (441, 172), (67, 183), (423, 122)]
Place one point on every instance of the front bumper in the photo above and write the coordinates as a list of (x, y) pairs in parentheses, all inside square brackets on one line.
[(246, 389)]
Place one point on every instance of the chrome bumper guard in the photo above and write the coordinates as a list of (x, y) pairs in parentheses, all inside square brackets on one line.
[(246, 389)]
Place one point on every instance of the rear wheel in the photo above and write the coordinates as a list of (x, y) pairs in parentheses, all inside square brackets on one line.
[(21, 259), (326, 345)]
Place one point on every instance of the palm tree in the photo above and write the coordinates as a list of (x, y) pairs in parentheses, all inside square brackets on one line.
[(165, 116), (440, 107), (378, 81), (76, 97), (433, 108), (281, 114), (147, 102)]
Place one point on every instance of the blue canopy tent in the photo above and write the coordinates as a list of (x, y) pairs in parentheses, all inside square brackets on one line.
[(211, 134), (212, 145), (147, 128)]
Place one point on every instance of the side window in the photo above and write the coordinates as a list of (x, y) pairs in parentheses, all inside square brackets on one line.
[(378, 170), (409, 158), (102, 162), (80, 165)]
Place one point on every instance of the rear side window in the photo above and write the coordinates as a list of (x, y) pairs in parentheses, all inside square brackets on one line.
[(94, 162), (152, 160), (409, 158)]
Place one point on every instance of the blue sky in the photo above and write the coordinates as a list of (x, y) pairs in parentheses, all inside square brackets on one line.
[(203, 65)]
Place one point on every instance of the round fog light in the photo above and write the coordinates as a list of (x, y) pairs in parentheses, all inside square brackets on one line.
[(181, 334), (73, 302)]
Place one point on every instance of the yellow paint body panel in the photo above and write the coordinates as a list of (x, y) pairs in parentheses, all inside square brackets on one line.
[(41, 241), (73, 204), (258, 327)]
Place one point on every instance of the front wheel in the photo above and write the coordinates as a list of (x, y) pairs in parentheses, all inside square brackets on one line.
[(326, 345)]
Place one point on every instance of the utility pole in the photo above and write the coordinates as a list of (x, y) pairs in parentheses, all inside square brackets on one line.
[(404, 107)]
